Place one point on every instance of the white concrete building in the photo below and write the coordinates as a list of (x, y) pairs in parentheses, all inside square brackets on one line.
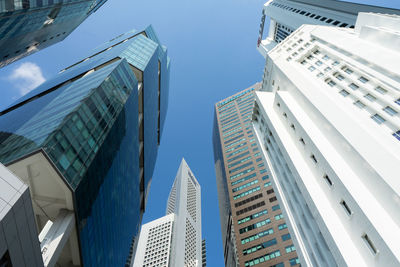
[(154, 245), (288, 15), (327, 119), (175, 239)]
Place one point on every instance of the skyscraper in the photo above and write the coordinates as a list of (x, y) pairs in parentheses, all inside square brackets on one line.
[(175, 239), (288, 15), (86, 143), (327, 120), (252, 225), (29, 26)]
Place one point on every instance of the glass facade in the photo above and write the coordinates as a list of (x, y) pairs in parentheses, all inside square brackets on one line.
[(28, 26), (88, 121)]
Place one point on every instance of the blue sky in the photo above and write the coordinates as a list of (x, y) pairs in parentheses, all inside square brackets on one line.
[(212, 45)]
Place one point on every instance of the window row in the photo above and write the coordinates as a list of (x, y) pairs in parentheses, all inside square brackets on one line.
[(251, 191), (244, 186), (313, 16), (253, 216)]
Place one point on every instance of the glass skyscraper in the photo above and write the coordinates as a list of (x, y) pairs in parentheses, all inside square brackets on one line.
[(86, 142), (28, 26)]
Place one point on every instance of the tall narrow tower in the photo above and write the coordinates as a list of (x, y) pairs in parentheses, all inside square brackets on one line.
[(179, 231), (252, 225)]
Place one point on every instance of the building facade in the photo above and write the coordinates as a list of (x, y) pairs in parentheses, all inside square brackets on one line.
[(253, 228), (327, 120), (288, 15), (86, 143), (175, 239), (19, 244), (154, 244), (27, 26)]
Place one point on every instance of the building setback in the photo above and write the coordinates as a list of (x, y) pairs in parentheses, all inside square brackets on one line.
[(86, 143), (327, 120), (29, 26), (252, 225), (175, 239), (288, 15)]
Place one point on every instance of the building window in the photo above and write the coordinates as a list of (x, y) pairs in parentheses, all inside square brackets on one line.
[(339, 77), (328, 181), (381, 90), (290, 248), (371, 245), (329, 20), (390, 111), (359, 104), (276, 207), (313, 158), (326, 57), (346, 207), (397, 135), (353, 86), (327, 69), (335, 63), (344, 93), (318, 63), (370, 97), (378, 118), (272, 199), (320, 74), (363, 79), (284, 115), (302, 141), (278, 104), (294, 261), (397, 101), (286, 237), (331, 83), (311, 68), (282, 226), (347, 70), (336, 22), (292, 126)]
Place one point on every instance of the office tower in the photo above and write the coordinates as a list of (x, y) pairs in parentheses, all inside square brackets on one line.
[(29, 26), (203, 253), (154, 244), (175, 239), (288, 15), (252, 225), (19, 245), (327, 120), (86, 143)]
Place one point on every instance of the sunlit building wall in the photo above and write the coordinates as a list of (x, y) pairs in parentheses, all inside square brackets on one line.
[(327, 120)]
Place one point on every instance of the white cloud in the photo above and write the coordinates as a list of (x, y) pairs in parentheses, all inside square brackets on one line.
[(27, 77)]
